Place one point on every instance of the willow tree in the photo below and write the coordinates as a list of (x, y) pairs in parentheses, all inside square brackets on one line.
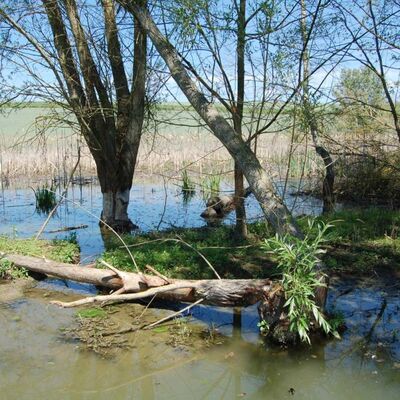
[(74, 54), (260, 182)]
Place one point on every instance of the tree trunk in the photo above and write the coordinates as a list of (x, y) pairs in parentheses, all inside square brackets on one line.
[(111, 130), (328, 199), (241, 223), (261, 185)]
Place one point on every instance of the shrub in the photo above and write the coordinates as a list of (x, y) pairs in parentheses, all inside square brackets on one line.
[(297, 260)]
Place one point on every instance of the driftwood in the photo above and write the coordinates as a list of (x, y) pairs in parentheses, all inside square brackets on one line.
[(220, 206), (133, 286)]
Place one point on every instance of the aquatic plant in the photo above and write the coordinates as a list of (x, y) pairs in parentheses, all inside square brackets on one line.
[(188, 186), (297, 259), (210, 186), (92, 313), (45, 199)]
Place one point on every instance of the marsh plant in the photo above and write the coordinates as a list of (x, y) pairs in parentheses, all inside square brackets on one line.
[(188, 186), (210, 186), (297, 260), (45, 199)]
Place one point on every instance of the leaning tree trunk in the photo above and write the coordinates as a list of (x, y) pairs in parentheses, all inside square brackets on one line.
[(261, 185)]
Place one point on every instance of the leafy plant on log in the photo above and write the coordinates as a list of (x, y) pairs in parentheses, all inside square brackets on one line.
[(298, 259)]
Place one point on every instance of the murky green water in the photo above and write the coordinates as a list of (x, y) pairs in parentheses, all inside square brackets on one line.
[(37, 362)]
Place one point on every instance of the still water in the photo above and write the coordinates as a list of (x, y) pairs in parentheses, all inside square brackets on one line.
[(38, 362), (153, 206)]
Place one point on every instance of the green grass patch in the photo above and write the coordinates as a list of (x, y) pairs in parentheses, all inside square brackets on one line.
[(92, 313), (57, 250), (169, 253), (361, 241)]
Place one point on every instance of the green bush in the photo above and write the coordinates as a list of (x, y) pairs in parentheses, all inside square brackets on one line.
[(297, 259)]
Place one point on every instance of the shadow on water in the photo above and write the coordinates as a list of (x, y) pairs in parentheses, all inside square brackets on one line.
[(36, 362)]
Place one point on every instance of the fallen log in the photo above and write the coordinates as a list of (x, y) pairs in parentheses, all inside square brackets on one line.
[(218, 292)]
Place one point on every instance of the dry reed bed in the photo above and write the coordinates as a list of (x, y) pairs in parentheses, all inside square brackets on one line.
[(182, 143)]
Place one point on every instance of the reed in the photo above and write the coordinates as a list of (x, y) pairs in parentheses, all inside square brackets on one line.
[(45, 199), (210, 186)]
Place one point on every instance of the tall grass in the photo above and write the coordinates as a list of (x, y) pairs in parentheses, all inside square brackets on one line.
[(210, 186), (188, 186), (45, 199)]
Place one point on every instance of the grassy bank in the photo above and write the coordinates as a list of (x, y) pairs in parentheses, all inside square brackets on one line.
[(57, 250), (361, 241)]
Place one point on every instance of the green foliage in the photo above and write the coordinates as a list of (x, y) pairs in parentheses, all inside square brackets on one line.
[(297, 259), (358, 224), (210, 186), (263, 326), (188, 186), (92, 313), (10, 271), (57, 250), (45, 199), (360, 86), (370, 178), (164, 252)]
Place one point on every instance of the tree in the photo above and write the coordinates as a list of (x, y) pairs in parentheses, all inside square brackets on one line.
[(83, 70), (374, 30), (311, 120), (262, 186)]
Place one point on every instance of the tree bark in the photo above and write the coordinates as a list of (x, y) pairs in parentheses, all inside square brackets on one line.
[(241, 223), (261, 185), (113, 135)]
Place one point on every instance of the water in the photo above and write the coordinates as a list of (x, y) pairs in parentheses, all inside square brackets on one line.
[(152, 206), (37, 362)]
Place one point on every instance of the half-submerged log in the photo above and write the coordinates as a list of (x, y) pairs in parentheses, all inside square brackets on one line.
[(133, 286)]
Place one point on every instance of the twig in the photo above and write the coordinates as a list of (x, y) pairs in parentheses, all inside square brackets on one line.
[(173, 315), (153, 324)]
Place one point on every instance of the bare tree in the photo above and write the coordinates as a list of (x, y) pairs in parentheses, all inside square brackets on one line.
[(72, 55)]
